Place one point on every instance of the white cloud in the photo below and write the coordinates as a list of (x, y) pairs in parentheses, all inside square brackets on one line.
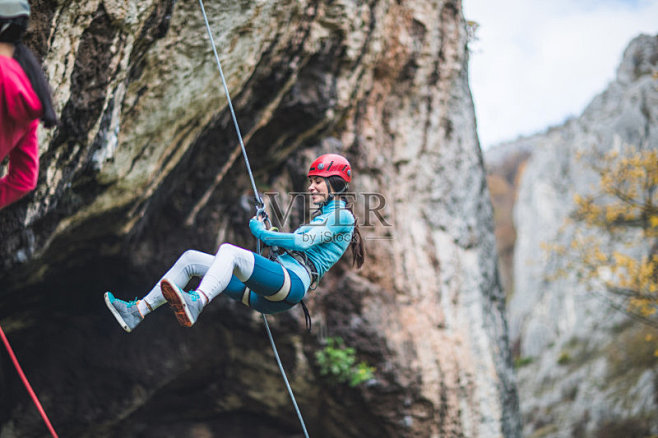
[(538, 62)]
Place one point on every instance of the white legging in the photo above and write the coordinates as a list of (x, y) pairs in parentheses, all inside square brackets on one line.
[(216, 271)]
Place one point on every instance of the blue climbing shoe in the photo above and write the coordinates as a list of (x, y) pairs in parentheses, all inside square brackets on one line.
[(186, 305), (125, 312)]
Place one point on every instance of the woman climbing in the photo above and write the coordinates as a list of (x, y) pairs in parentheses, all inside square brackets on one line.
[(260, 283), (24, 98)]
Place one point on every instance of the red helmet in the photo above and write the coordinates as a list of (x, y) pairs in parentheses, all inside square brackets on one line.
[(329, 165)]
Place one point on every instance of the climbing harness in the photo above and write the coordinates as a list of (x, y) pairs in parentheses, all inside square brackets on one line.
[(27, 383), (260, 206), (304, 261)]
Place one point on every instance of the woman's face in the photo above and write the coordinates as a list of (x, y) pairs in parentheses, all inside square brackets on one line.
[(318, 189)]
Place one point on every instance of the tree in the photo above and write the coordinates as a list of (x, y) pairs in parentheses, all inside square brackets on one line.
[(624, 204)]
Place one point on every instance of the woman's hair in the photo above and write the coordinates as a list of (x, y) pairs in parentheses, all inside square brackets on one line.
[(338, 185), (13, 33)]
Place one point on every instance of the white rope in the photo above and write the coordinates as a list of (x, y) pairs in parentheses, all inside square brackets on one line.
[(230, 105), (260, 206)]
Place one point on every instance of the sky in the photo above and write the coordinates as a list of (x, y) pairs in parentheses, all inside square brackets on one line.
[(535, 63)]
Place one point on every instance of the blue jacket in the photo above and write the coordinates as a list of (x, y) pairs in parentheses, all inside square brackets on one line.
[(323, 240)]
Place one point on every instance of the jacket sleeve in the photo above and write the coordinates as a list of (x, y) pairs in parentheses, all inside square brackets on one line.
[(320, 230), (22, 102), (23, 170)]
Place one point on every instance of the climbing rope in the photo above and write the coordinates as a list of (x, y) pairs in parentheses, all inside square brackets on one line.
[(230, 105), (259, 205), (27, 383)]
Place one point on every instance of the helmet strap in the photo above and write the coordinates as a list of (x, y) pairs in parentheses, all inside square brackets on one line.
[(332, 194), (344, 189)]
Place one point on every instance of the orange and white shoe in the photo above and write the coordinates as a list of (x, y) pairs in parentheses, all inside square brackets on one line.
[(186, 305)]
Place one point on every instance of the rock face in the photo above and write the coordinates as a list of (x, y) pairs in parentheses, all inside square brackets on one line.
[(591, 372), (146, 165)]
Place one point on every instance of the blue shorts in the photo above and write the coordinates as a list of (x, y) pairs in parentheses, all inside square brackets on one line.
[(264, 291)]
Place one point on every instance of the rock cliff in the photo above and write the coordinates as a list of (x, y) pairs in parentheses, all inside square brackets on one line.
[(586, 369), (146, 164)]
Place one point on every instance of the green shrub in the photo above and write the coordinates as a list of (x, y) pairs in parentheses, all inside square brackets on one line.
[(564, 358), (337, 362), (522, 361)]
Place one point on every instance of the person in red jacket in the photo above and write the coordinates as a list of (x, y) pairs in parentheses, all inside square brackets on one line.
[(24, 99)]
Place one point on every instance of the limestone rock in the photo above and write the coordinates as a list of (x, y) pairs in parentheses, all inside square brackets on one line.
[(146, 164)]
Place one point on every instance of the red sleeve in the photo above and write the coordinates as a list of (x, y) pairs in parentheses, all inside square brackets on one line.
[(23, 170), (22, 102)]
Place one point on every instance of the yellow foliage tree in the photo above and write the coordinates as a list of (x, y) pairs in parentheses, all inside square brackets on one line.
[(625, 205)]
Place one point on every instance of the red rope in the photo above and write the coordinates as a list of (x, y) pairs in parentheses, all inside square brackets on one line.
[(27, 384)]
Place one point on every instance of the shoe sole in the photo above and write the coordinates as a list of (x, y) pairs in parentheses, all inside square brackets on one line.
[(116, 315), (177, 303)]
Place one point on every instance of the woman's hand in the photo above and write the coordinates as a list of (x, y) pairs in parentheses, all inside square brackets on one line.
[(257, 225)]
